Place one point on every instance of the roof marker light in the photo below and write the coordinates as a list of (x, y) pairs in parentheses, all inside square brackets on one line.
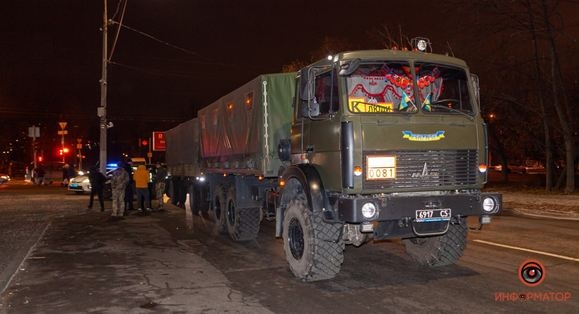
[(421, 45)]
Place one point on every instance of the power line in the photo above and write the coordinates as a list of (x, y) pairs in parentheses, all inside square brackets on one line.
[(187, 51), (118, 29), (168, 44), (118, 8)]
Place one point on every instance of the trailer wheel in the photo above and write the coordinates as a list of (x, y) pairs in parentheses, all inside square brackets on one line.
[(314, 249), (438, 250), (218, 210), (242, 223)]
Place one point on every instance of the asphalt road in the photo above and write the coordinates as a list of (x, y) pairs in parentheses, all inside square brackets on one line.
[(158, 264)]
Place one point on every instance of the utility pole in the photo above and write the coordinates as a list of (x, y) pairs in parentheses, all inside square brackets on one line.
[(102, 110)]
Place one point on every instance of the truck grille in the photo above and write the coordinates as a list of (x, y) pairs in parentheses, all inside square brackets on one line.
[(426, 169)]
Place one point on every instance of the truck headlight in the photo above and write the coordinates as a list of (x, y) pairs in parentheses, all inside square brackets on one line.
[(482, 168), (489, 205), (369, 210)]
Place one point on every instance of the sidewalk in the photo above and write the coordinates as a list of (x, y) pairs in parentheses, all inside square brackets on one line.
[(541, 205), (89, 264)]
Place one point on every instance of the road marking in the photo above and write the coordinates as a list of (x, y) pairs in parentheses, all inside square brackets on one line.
[(574, 259)]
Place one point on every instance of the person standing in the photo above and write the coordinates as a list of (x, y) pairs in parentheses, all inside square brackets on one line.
[(129, 190), (119, 182), (65, 174), (159, 181), (71, 172), (141, 177), (39, 174), (97, 184)]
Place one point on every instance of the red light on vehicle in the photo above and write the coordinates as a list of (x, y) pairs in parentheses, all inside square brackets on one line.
[(248, 101), (66, 150), (40, 158)]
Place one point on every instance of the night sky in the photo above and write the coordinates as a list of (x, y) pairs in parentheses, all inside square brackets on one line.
[(50, 54)]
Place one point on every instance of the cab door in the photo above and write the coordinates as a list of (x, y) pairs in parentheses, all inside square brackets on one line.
[(315, 133)]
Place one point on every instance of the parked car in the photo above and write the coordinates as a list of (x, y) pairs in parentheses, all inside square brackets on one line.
[(4, 178), (529, 166), (81, 184), (498, 167)]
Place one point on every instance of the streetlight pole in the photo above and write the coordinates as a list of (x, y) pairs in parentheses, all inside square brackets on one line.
[(102, 110)]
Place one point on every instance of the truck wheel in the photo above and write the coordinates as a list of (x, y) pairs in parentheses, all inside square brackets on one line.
[(439, 250), (313, 248), (218, 210), (242, 223)]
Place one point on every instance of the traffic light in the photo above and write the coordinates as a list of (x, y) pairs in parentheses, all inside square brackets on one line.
[(144, 143), (40, 158), (63, 151)]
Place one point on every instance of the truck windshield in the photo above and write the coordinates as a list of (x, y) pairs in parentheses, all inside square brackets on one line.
[(442, 88), (388, 87), (381, 87)]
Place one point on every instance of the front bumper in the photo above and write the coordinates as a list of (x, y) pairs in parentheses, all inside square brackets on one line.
[(78, 187), (398, 207)]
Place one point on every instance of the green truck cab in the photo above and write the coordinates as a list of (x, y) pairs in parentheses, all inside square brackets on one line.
[(363, 145), (384, 144)]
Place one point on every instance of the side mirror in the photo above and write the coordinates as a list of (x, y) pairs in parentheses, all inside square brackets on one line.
[(307, 83), (310, 107), (314, 108), (476, 88), (349, 67)]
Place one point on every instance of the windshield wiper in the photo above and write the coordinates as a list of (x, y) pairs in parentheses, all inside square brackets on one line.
[(451, 110)]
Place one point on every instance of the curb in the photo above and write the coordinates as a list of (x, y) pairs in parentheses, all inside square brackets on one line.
[(527, 213)]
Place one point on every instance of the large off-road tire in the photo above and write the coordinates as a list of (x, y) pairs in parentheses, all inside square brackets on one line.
[(314, 249), (218, 210), (440, 250), (242, 223)]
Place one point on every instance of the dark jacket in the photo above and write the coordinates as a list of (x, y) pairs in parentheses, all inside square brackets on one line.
[(160, 175), (97, 179)]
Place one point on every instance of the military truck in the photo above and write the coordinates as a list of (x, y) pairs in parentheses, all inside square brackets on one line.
[(362, 145)]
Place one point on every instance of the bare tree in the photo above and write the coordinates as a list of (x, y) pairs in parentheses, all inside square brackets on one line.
[(560, 101), (516, 22), (538, 79)]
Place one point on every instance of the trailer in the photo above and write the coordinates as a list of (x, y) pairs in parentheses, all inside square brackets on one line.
[(362, 146)]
